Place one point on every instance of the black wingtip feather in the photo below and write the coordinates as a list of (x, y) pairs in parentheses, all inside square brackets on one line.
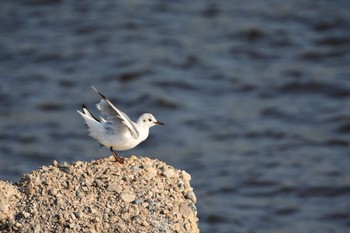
[(84, 107), (104, 97)]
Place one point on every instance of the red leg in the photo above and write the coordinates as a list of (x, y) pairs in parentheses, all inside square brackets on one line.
[(118, 159)]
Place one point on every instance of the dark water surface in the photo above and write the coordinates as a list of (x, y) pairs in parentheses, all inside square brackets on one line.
[(255, 96)]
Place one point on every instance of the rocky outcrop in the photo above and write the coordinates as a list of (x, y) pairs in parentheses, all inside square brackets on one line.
[(142, 195)]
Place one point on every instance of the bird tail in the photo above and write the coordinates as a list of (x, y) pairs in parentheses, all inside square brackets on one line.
[(94, 124)]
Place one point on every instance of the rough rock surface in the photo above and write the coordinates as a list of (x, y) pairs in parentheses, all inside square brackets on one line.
[(142, 195)]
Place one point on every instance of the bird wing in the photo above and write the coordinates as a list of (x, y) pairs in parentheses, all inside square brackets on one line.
[(111, 113)]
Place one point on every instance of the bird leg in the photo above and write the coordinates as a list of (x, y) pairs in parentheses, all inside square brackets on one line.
[(118, 159)]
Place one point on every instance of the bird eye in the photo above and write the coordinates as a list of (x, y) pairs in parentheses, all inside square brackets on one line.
[(149, 119)]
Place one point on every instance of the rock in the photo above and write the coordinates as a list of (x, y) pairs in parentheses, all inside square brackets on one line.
[(55, 163), (152, 172), (168, 173), (138, 201), (190, 195), (26, 214), (127, 197), (29, 189), (114, 187), (9, 197), (185, 175), (142, 195)]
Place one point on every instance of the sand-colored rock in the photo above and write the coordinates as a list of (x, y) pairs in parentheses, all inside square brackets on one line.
[(142, 195), (9, 198)]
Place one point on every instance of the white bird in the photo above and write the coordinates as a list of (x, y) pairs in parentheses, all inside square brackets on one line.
[(114, 129)]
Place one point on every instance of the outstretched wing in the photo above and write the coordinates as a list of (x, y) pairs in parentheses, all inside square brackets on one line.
[(111, 113)]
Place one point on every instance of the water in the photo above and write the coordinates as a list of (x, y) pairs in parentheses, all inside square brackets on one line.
[(255, 97)]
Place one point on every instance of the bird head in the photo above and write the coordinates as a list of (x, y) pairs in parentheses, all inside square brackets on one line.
[(148, 120)]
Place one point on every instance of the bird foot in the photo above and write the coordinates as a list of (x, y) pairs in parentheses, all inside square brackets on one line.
[(119, 159)]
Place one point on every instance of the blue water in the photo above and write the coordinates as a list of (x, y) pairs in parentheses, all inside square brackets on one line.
[(255, 96)]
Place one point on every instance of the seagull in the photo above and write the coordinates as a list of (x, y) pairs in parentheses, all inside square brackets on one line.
[(114, 129)]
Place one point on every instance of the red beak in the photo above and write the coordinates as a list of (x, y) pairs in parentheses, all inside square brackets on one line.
[(158, 123)]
